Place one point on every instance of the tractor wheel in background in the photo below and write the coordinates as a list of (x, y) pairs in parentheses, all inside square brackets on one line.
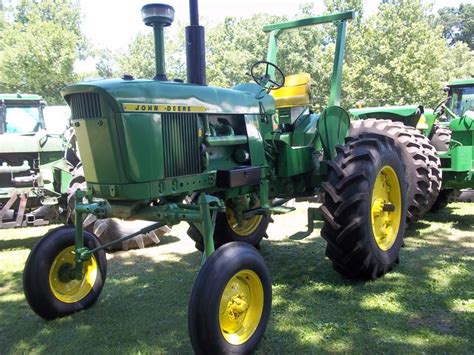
[(445, 197), (48, 288), (411, 145), (230, 302), (227, 229), (110, 229), (364, 206), (436, 178), (440, 137)]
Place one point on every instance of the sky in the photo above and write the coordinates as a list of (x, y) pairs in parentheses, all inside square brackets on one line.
[(113, 24)]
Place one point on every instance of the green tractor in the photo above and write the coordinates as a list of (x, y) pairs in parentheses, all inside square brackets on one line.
[(448, 141), (452, 134), (34, 175), (222, 160)]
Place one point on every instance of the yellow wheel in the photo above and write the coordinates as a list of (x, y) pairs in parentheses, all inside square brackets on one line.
[(49, 286), (69, 290), (230, 302), (246, 226), (230, 228), (241, 307), (364, 207), (386, 207)]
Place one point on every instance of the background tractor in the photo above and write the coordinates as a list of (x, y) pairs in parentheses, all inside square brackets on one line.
[(223, 160), (34, 175), (448, 143)]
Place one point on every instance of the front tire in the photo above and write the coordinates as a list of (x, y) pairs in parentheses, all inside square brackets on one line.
[(230, 302), (48, 289), (364, 207)]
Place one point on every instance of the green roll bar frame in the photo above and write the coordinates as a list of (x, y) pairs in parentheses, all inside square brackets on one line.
[(341, 20)]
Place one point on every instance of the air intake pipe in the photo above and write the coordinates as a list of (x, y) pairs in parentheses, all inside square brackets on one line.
[(195, 47), (158, 16)]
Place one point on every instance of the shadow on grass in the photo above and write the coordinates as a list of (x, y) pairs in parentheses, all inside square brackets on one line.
[(25, 243), (463, 222), (143, 307)]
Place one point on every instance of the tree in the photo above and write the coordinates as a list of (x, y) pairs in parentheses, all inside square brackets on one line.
[(458, 24), (39, 47), (105, 63), (139, 59), (398, 57)]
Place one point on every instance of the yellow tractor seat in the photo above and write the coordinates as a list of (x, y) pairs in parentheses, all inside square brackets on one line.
[(296, 91)]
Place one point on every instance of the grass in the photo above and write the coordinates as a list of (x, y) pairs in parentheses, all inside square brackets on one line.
[(425, 305)]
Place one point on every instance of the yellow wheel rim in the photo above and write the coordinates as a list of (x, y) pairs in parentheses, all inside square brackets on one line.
[(246, 227), (386, 210), (70, 291), (241, 307)]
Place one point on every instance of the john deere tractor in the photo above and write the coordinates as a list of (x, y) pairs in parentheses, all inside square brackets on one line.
[(222, 160)]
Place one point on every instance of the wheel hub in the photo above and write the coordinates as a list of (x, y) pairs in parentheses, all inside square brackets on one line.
[(241, 307), (62, 285), (386, 208), (237, 306)]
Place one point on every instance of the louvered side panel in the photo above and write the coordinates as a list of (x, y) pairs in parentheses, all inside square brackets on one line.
[(180, 144), (85, 105)]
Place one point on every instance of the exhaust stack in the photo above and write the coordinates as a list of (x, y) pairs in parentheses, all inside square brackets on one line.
[(158, 16), (195, 47)]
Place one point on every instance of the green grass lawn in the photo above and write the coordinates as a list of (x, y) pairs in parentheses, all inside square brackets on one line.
[(426, 304)]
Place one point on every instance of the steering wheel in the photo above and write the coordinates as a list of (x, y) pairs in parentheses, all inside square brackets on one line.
[(441, 108), (440, 104), (265, 79)]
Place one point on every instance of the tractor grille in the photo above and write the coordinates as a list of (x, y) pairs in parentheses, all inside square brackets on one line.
[(180, 144), (86, 105)]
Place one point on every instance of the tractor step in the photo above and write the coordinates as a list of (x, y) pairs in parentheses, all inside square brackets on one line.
[(281, 209), (314, 214)]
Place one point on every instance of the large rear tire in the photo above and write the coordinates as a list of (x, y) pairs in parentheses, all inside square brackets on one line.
[(230, 302), (364, 207), (49, 290), (412, 147)]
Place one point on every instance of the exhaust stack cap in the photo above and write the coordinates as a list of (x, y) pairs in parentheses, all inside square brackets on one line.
[(157, 15)]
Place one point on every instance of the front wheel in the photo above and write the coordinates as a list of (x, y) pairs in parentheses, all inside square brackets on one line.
[(48, 287), (230, 302), (365, 207)]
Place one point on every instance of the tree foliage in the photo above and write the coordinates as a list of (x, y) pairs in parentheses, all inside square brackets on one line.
[(39, 47), (458, 24), (139, 58)]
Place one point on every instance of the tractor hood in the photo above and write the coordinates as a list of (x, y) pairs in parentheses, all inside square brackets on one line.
[(39, 142), (158, 96)]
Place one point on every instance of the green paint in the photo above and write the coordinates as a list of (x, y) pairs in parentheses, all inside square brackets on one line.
[(462, 82), (348, 15), (160, 66), (336, 79), (333, 126)]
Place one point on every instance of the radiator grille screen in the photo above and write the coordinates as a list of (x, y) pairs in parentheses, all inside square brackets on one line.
[(180, 144), (85, 105)]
